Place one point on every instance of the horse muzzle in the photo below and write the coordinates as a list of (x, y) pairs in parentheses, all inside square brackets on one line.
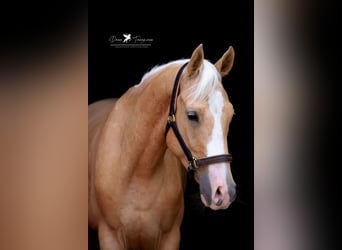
[(218, 190)]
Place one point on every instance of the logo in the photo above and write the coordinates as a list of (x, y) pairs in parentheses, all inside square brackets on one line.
[(128, 40)]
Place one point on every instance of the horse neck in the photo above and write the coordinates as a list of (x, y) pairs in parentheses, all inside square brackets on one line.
[(146, 120)]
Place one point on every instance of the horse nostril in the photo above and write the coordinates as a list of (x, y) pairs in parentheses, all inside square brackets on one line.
[(218, 195), (218, 191)]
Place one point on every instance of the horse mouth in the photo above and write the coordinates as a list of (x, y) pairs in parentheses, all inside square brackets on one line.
[(218, 200), (220, 204)]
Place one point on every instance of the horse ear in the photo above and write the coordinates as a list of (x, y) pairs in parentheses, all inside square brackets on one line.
[(196, 61), (225, 63)]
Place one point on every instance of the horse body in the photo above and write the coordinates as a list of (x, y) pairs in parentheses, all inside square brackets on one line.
[(134, 181), (136, 175)]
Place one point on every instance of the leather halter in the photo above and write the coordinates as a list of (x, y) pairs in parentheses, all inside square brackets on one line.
[(171, 122)]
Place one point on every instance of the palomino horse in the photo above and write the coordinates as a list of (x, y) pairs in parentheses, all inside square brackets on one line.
[(140, 145)]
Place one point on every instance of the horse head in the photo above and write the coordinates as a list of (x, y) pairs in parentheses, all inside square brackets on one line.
[(203, 115)]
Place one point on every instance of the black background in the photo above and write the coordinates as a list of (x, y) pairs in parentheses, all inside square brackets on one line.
[(113, 70)]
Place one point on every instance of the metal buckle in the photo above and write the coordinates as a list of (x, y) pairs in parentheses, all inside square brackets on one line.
[(171, 118), (192, 166), (193, 163)]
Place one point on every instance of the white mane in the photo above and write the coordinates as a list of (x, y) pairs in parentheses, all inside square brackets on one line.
[(208, 79)]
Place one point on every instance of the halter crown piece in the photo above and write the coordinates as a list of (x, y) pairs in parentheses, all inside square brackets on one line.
[(171, 122)]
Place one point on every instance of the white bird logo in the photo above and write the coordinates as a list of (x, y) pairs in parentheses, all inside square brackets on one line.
[(127, 38)]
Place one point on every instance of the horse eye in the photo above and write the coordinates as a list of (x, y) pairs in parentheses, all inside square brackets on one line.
[(192, 116)]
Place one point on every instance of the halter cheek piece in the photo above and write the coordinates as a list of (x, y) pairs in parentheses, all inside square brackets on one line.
[(171, 122)]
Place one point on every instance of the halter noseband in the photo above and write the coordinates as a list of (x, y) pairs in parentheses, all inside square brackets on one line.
[(171, 122)]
